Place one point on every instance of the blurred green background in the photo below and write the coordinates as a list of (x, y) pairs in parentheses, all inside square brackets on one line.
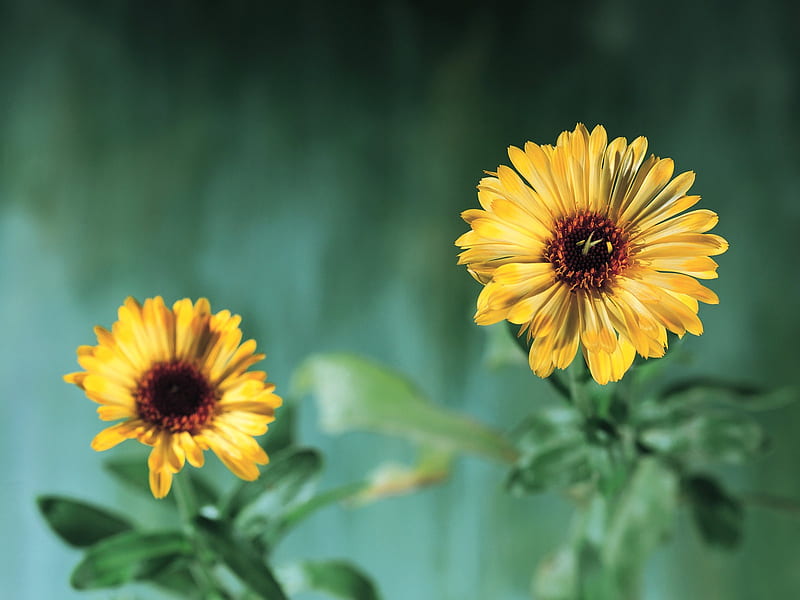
[(304, 164)]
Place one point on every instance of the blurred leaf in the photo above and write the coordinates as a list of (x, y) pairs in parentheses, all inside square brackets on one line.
[(78, 523), (390, 479), (175, 576), (709, 390), (705, 384), (281, 433), (547, 428), (554, 452), (127, 556), (286, 480), (557, 576), (355, 394), (717, 514), (596, 582), (577, 571), (641, 519), (723, 437), (339, 579), (133, 472), (554, 468), (242, 558)]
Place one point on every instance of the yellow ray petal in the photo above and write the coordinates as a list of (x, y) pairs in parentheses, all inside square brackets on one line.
[(192, 451), (111, 436), (160, 483)]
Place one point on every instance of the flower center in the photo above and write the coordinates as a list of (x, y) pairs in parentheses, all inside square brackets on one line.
[(175, 396), (587, 251)]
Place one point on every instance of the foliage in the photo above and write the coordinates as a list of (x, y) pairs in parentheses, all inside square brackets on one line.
[(629, 457), (246, 525)]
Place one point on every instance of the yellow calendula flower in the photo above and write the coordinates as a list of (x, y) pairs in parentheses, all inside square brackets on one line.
[(584, 245), (178, 378)]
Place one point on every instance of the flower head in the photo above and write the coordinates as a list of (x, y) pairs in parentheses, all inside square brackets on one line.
[(178, 379), (584, 245)]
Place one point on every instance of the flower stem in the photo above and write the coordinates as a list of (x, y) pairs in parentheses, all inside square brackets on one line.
[(186, 501), (558, 384), (322, 500), (201, 567), (577, 391)]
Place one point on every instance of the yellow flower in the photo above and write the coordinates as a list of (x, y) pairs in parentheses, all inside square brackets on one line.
[(178, 379), (589, 250)]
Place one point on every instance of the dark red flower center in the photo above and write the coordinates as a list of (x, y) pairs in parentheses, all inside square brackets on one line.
[(175, 396), (587, 251)]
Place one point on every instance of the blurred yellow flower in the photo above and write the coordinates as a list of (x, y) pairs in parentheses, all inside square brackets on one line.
[(589, 250), (178, 380)]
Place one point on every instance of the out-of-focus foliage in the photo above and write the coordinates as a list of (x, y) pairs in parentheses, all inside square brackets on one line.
[(623, 453), (237, 532)]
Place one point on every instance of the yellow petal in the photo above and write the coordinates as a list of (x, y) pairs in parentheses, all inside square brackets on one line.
[(157, 460), (701, 267), (247, 423), (160, 483), (112, 412), (76, 378), (670, 197), (110, 437), (697, 221), (683, 284), (193, 452)]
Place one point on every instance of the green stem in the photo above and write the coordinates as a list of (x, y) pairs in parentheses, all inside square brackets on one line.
[(769, 501), (186, 501), (578, 391), (301, 511), (201, 568), (558, 384)]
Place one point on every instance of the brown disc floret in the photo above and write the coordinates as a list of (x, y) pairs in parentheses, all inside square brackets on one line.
[(587, 251)]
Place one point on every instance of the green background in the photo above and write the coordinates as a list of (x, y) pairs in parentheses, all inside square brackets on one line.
[(304, 164)]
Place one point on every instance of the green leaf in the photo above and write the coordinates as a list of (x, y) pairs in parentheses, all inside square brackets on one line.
[(242, 558), (128, 556), (557, 576), (546, 428), (717, 514), (355, 394), (721, 437), (286, 480), (709, 390), (554, 452), (390, 478), (78, 523), (577, 571), (174, 576), (554, 468), (133, 472), (596, 582), (642, 517), (339, 579)]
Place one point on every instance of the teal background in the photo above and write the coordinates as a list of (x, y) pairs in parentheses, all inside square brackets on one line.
[(304, 164)]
